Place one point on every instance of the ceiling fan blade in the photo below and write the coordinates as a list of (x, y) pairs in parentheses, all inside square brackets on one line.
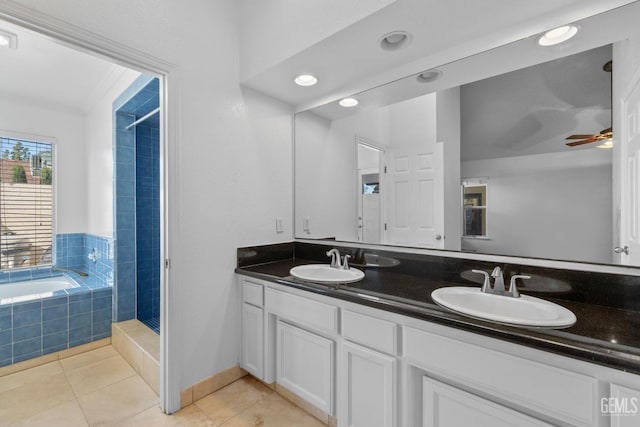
[(580, 136), (586, 141)]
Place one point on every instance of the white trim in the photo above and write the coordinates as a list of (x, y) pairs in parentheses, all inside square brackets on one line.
[(92, 43)]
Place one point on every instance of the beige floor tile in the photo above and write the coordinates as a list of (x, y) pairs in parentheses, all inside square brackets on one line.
[(273, 411), (34, 397), (31, 375), (88, 358), (68, 414), (152, 417), (118, 402), (233, 399), (100, 374)]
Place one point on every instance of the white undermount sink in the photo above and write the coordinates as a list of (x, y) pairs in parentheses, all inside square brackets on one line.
[(323, 273), (522, 311)]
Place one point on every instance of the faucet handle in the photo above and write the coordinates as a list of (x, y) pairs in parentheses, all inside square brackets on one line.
[(345, 262), (485, 285), (513, 288)]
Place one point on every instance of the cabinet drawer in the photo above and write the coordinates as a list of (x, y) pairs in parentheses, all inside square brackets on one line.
[(314, 314), (555, 392), (252, 293), (369, 331)]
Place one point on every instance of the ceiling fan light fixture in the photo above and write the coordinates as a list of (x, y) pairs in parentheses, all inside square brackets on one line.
[(606, 144), (558, 35)]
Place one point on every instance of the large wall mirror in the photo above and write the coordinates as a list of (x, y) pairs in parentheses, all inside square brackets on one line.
[(472, 156)]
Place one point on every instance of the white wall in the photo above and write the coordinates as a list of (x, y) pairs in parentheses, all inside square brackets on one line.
[(232, 198), (555, 205), (35, 118), (98, 141)]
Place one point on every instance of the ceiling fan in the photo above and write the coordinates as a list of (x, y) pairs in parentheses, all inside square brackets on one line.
[(604, 135)]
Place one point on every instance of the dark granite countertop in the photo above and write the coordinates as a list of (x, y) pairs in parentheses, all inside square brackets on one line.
[(603, 335)]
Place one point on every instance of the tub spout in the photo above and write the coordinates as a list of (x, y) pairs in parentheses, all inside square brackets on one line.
[(81, 273)]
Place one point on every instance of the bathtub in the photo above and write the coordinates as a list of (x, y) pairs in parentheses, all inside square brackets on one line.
[(34, 289)]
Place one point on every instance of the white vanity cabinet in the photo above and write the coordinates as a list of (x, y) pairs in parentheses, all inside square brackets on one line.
[(305, 346), (623, 406), (367, 386), (252, 349), (447, 406)]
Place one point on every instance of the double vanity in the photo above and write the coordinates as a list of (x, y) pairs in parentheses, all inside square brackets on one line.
[(377, 350)]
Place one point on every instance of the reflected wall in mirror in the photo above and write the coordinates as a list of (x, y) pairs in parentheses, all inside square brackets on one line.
[(477, 160)]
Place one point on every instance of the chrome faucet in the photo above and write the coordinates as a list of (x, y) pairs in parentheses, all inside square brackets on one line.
[(341, 263), (335, 258), (498, 283)]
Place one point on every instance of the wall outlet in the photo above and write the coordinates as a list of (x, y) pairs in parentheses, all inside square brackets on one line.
[(279, 224), (306, 224)]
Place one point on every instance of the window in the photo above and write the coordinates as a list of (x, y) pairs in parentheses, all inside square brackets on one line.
[(26, 203), (474, 208)]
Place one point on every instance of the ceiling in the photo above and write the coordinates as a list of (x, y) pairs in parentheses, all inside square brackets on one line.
[(531, 111), (350, 60), (43, 70)]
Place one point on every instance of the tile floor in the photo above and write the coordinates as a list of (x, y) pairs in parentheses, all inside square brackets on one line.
[(99, 388)]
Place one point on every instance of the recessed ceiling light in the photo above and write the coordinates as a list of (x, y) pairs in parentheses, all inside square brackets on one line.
[(429, 76), (348, 102), (8, 40), (395, 40), (306, 80), (558, 35)]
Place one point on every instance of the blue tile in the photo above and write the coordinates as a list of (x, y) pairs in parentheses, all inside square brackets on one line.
[(101, 303), (101, 328), (27, 347), (6, 362), (97, 337), (5, 337), (78, 307), (102, 315), (53, 349), (5, 323), (56, 339), (79, 320), (5, 310), (25, 318), (24, 307), (103, 293), (55, 312), (84, 296), (27, 333), (23, 357), (54, 301), (17, 276), (80, 333), (79, 341), (6, 351), (54, 326)]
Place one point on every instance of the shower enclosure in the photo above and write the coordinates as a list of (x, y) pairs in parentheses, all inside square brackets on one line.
[(137, 203)]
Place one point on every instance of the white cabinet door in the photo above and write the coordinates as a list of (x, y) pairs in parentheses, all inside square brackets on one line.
[(252, 359), (368, 388), (447, 406), (304, 365), (623, 406)]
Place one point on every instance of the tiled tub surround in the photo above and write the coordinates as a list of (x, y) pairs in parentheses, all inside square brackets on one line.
[(607, 305), (46, 325), (68, 317)]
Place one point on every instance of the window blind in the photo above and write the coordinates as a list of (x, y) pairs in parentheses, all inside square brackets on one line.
[(26, 203)]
